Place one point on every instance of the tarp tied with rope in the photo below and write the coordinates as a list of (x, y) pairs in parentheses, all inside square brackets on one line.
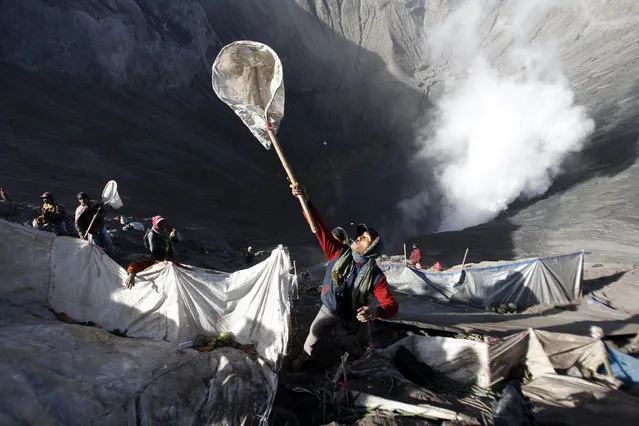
[(247, 76)]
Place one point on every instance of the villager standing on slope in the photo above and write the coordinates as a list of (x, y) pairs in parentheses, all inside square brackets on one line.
[(351, 275), (89, 222)]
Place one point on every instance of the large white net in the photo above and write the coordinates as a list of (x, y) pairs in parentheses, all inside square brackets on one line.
[(247, 76)]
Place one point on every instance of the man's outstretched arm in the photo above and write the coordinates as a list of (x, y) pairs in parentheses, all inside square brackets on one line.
[(330, 245)]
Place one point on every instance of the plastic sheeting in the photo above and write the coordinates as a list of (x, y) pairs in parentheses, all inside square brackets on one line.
[(173, 303), (624, 367), (551, 280), (70, 374), (390, 380), (543, 352), (62, 374), (247, 76), (574, 400), (556, 397), (25, 256), (166, 303), (465, 361)]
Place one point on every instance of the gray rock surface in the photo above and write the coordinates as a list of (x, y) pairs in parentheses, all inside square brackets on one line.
[(94, 90)]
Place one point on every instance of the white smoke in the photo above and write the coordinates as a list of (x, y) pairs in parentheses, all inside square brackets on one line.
[(503, 124)]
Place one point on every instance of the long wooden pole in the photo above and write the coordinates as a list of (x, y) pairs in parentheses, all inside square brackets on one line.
[(90, 225), (464, 261), (291, 177)]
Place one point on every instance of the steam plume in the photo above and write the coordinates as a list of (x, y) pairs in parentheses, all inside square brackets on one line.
[(503, 123)]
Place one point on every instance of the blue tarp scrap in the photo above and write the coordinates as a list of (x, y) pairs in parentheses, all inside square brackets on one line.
[(624, 367)]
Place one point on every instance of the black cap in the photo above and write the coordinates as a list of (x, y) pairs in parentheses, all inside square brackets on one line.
[(362, 227), (83, 195), (47, 196)]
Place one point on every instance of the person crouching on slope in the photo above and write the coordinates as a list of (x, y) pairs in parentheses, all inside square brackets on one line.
[(159, 241), (53, 216), (351, 275)]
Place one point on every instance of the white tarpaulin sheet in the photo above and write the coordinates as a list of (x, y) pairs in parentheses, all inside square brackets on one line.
[(247, 76), (172, 303), (167, 302), (552, 281), (465, 361), (71, 374)]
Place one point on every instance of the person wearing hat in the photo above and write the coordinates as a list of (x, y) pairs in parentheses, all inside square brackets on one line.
[(351, 276), (52, 216), (159, 241), (416, 256), (89, 222)]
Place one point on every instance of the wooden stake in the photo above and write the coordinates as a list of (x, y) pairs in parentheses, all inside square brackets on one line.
[(607, 363), (291, 177), (464, 261)]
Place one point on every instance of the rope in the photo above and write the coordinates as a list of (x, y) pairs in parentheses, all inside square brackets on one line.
[(371, 346)]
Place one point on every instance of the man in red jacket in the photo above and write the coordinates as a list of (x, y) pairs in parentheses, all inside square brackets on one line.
[(351, 275)]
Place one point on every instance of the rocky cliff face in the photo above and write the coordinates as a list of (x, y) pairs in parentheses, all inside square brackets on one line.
[(386, 118)]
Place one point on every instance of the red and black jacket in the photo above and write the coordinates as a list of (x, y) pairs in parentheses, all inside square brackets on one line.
[(335, 299)]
